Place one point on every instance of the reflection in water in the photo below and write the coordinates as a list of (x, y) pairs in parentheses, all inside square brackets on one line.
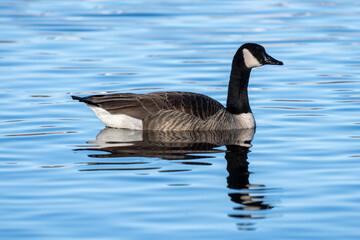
[(187, 145), (250, 197)]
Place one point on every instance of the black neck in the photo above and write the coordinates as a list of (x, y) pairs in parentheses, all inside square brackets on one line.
[(237, 100)]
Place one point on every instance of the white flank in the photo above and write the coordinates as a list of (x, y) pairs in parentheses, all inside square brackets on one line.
[(245, 120), (250, 60), (117, 120)]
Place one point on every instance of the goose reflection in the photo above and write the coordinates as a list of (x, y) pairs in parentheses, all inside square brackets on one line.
[(187, 145)]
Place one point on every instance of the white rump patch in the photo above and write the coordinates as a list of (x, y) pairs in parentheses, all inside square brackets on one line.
[(250, 60), (245, 120), (117, 120)]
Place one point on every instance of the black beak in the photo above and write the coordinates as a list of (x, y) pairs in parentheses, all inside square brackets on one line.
[(272, 61)]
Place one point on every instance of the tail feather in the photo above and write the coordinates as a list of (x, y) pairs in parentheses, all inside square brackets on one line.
[(76, 98), (86, 100)]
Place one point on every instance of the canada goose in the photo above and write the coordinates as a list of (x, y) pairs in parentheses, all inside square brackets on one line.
[(168, 111)]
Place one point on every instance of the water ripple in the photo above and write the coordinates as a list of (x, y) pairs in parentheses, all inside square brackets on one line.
[(38, 134), (297, 179)]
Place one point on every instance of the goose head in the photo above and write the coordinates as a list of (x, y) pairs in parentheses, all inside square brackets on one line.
[(251, 55)]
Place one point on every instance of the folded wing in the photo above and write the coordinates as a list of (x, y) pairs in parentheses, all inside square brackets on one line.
[(142, 106)]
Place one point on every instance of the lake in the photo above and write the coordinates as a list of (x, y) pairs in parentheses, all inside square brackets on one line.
[(65, 176)]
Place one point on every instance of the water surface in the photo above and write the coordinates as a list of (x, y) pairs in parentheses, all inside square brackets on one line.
[(63, 176)]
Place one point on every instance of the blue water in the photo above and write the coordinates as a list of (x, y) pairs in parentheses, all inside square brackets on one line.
[(63, 176)]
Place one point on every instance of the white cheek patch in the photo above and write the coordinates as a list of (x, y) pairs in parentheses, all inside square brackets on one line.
[(250, 60)]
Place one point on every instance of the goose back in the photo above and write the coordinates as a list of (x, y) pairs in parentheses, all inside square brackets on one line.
[(166, 110)]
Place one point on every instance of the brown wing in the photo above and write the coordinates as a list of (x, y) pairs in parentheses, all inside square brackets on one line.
[(142, 105)]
